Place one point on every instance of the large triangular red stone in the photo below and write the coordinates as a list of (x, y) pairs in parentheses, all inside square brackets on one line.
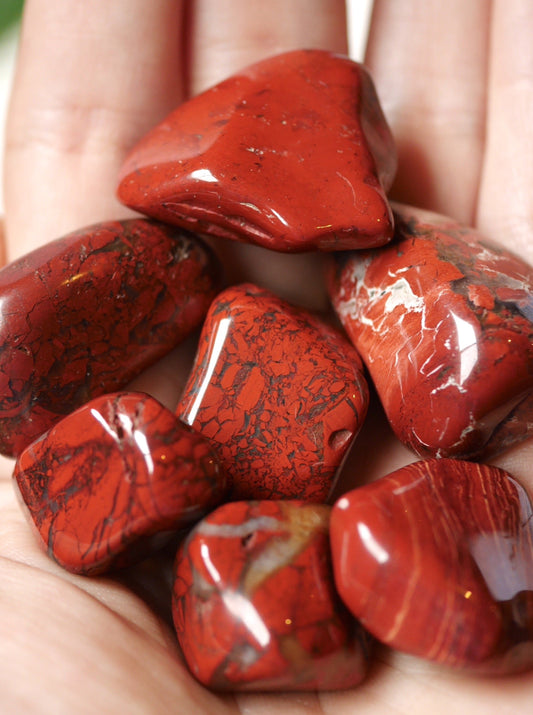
[(292, 153)]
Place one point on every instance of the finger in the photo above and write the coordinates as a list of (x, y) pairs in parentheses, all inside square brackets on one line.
[(55, 631), (19, 544), (401, 683), (91, 78), (2, 242), (506, 199), (428, 59), (227, 35)]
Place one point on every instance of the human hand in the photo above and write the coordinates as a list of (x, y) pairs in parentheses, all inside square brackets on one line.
[(92, 79)]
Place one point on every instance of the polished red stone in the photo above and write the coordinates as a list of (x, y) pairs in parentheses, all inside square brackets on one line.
[(280, 393), (254, 603), (107, 483), (436, 560), (84, 314), (292, 153), (443, 321)]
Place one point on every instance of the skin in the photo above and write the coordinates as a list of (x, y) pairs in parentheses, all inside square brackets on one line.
[(456, 82)]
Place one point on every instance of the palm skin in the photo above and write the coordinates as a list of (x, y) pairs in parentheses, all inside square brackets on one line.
[(456, 82)]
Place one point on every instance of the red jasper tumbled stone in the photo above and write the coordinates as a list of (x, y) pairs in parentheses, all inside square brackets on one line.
[(436, 560), (107, 483), (292, 153), (279, 392), (443, 321), (254, 603), (84, 314)]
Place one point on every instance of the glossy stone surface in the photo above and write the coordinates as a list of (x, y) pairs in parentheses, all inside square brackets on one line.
[(279, 392), (254, 604), (292, 153), (443, 321), (436, 560), (106, 484), (84, 314)]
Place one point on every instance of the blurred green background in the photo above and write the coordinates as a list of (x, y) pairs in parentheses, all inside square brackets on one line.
[(10, 11)]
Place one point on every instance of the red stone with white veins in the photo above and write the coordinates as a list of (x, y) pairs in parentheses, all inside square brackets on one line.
[(280, 394), (436, 559), (443, 320), (292, 153), (254, 603)]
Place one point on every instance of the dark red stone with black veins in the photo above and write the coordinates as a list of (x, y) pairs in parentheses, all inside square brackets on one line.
[(279, 392), (443, 321), (84, 314), (292, 153), (436, 559), (254, 603), (109, 482)]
